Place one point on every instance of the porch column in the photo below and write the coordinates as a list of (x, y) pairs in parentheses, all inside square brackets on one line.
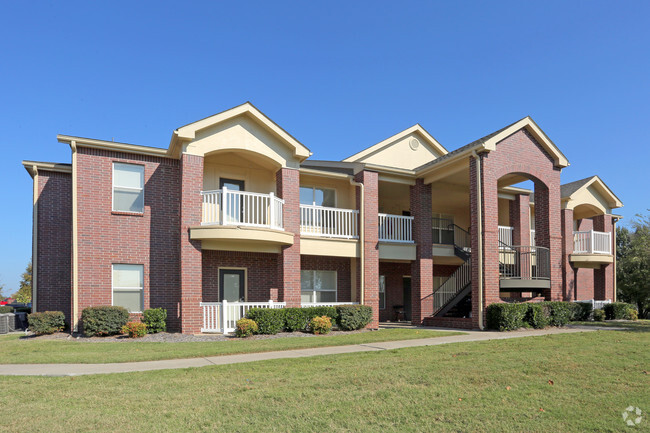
[(370, 206), (568, 274), (191, 267), (422, 266), (604, 277), (548, 232), (288, 188), (520, 221)]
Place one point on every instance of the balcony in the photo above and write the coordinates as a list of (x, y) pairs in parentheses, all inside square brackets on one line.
[(591, 249), (523, 267), (329, 222), (395, 228)]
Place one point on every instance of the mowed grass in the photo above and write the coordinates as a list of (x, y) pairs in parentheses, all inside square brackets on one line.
[(558, 383), (636, 325), (14, 350)]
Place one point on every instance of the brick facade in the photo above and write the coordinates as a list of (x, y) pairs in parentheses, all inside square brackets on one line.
[(422, 266), (288, 187), (339, 264), (370, 181)]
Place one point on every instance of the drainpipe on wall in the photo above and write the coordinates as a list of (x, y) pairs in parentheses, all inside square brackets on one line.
[(74, 322), (614, 221), (362, 239), (35, 242), (479, 232)]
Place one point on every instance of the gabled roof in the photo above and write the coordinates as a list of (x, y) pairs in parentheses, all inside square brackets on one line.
[(188, 132), (432, 142), (32, 167), (569, 189)]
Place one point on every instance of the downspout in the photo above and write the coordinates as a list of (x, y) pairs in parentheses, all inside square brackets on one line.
[(479, 233), (362, 239), (614, 221), (35, 242), (74, 322)]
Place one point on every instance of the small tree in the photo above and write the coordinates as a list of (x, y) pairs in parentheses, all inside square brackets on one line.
[(24, 294), (633, 264)]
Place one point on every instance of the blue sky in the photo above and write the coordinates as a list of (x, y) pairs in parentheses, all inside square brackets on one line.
[(337, 75)]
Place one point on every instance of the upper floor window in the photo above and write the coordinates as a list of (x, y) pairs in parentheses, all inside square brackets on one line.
[(318, 196), (443, 232), (128, 187)]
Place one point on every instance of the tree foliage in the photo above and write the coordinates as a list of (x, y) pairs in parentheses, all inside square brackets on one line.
[(633, 264), (24, 294)]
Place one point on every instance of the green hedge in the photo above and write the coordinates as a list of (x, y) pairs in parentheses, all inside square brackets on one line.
[(618, 310), (6, 309), (272, 321), (582, 311), (506, 317), (155, 319), (538, 315), (105, 320), (352, 317), (561, 313), (47, 322), (269, 320)]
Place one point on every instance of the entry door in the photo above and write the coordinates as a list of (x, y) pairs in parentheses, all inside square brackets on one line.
[(406, 284), (232, 286), (232, 208)]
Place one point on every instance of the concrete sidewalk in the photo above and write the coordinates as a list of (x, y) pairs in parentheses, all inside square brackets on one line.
[(127, 367)]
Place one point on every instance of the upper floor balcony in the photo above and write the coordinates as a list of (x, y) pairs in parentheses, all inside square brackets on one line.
[(242, 208), (592, 242)]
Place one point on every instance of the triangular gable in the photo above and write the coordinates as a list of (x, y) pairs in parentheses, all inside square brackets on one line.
[(188, 132), (595, 186), (407, 149)]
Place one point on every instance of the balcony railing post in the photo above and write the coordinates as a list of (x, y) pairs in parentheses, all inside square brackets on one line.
[(272, 205), (224, 207), (591, 241)]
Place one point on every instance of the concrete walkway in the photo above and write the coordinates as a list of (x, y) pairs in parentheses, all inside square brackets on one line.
[(127, 367)]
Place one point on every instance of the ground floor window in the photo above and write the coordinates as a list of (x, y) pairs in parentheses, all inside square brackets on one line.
[(128, 287), (318, 286), (382, 292)]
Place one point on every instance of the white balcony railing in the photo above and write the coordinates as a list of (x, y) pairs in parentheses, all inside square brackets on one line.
[(395, 228), (223, 316), (329, 222), (505, 236), (592, 242), (242, 208)]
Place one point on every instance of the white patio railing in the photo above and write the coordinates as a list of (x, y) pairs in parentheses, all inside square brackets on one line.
[(242, 208), (505, 236), (325, 304), (596, 305), (223, 316), (395, 228), (592, 242), (329, 222)]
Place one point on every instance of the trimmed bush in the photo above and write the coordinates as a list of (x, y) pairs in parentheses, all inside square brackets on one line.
[(245, 328), (560, 313), (135, 329), (352, 317), (538, 315), (506, 317), (295, 319), (269, 321), (155, 319), (581, 311), (618, 310), (320, 325), (599, 315), (105, 320), (47, 322), (4, 309), (632, 314)]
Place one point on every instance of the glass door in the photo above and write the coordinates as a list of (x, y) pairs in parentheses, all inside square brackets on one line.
[(232, 286), (232, 203)]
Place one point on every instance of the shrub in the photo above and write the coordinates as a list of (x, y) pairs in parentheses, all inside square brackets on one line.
[(155, 319), (352, 317), (560, 313), (632, 314), (581, 311), (269, 320), (245, 328), (538, 315), (135, 329), (295, 319), (320, 325), (103, 320), (506, 317), (617, 310), (47, 322), (599, 315), (6, 309)]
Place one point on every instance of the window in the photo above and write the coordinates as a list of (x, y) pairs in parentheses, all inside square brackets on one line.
[(128, 187), (318, 286), (318, 196), (442, 232), (382, 292), (128, 284)]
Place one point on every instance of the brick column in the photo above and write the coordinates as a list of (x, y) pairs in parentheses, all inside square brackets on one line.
[(370, 245), (520, 219), (288, 188), (191, 267), (548, 233), (568, 274), (422, 266), (604, 277)]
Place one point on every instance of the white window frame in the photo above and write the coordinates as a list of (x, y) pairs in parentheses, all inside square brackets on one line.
[(115, 163), (128, 289), (442, 216), (382, 289), (313, 291), (313, 194)]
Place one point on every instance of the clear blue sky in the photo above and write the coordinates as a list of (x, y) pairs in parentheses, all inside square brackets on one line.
[(338, 75)]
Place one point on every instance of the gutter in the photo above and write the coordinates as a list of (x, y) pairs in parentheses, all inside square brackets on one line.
[(479, 230), (362, 239)]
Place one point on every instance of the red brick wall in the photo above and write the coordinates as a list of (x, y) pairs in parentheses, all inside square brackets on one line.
[(54, 236), (150, 239), (604, 277), (370, 247), (339, 264), (422, 266), (394, 273), (568, 276), (261, 273), (288, 275)]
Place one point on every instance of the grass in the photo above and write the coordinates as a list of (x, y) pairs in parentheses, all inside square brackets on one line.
[(636, 326), (14, 350), (559, 383)]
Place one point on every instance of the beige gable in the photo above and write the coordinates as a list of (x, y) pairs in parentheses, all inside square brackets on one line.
[(408, 152)]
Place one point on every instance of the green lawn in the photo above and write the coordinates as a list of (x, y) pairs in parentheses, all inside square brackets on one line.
[(637, 325), (14, 350), (560, 383)]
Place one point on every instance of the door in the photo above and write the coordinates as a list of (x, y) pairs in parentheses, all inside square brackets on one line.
[(406, 284), (232, 204), (232, 285)]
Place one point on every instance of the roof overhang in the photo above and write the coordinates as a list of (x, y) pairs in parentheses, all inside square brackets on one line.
[(115, 146), (606, 193), (33, 167)]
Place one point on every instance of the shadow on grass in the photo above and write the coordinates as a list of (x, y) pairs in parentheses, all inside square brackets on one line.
[(627, 325)]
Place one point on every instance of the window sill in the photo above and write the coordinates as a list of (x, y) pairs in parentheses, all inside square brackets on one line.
[(118, 212)]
